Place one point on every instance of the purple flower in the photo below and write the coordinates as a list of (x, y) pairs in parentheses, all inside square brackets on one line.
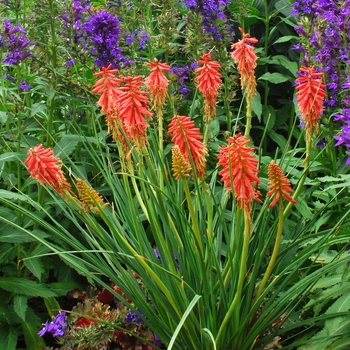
[(24, 86), (133, 317), (211, 11), (56, 327), (103, 32), (142, 37), (129, 39), (156, 341), (15, 43)]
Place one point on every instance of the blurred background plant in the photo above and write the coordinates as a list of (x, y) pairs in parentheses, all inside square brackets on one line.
[(150, 235)]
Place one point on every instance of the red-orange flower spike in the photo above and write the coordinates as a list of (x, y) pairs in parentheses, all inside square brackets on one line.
[(132, 108), (107, 87), (239, 170), (187, 138), (44, 167), (157, 83), (279, 185), (209, 80), (245, 58), (310, 93)]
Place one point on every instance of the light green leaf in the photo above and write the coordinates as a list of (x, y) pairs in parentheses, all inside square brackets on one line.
[(286, 38), (256, 104), (23, 286), (37, 108), (3, 117), (12, 156), (20, 305), (12, 195), (66, 146), (274, 78)]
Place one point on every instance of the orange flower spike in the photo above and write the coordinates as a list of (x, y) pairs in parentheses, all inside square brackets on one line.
[(279, 185), (310, 96), (187, 138), (245, 58), (209, 80), (133, 108), (107, 87), (239, 170), (157, 83), (44, 167)]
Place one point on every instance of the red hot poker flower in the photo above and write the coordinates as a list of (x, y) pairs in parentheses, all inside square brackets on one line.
[(107, 87), (279, 185), (245, 58), (310, 93), (132, 108), (239, 167), (187, 138), (209, 80), (44, 167), (157, 83)]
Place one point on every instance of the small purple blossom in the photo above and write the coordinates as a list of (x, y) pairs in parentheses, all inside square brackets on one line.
[(56, 327), (133, 317), (24, 86)]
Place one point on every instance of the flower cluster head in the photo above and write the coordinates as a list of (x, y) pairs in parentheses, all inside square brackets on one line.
[(187, 138), (239, 170), (209, 80), (157, 83), (125, 106), (245, 58), (103, 33), (44, 167), (310, 97), (56, 327), (15, 43), (279, 186), (73, 31), (211, 11)]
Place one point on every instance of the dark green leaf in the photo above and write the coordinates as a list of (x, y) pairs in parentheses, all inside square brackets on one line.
[(20, 306), (8, 337), (32, 339), (286, 38), (23, 286)]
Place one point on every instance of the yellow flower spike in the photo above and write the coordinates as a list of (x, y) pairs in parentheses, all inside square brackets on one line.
[(89, 197), (180, 165)]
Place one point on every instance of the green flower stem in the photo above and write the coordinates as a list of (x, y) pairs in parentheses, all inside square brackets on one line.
[(206, 132), (274, 253), (161, 149), (303, 178), (248, 117), (192, 214), (233, 309)]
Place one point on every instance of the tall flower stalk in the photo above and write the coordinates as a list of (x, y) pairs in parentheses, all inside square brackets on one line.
[(158, 83), (279, 189), (245, 58)]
